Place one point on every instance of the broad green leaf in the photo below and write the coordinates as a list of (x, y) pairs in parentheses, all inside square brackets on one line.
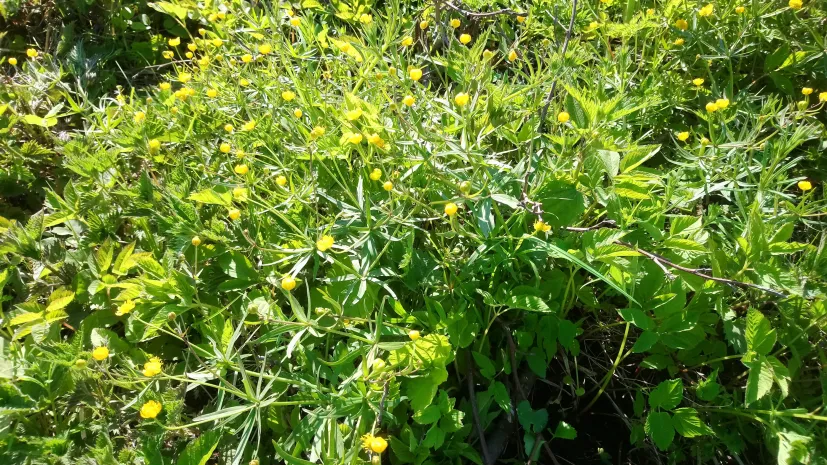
[(759, 381), (688, 424), (659, 427), (173, 9), (667, 395), (214, 196), (103, 258), (485, 365), (531, 303), (530, 419), (427, 416), (59, 299), (421, 390), (199, 451), (645, 342), (500, 395), (565, 431), (759, 334)]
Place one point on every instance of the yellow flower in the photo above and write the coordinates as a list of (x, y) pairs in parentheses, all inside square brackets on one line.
[(805, 185), (204, 62), (541, 226), (168, 54), (487, 54), (388, 186), (212, 93), (151, 409), (246, 58), (822, 97), (297, 113), (184, 77), (423, 24), (455, 23), (235, 214), (229, 127), (704, 141), (100, 353), (244, 82), (139, 117), (376, 174), (264, 49), (375, 139), (189, 55), (796, 4), (722, 103), (174, 110), (125, 308), (365, 18), (13, 61), (221, 15), (465, 38), (202, 32), (288, 283), (217, 42), (563, 117), (281, 181), (224, 148), (512, 55), (324, 243), (409, 100), (451, 209), (706, 11), (239, 153), (154, 145), (192, 47), (711, 107), (196, 241), (288, 95), (211, 18), (174, 42), (807, 90), (317, 132), (353, 115), (683, 136), (378, 445), (682, 24), (679, 41), (698, 81), (650, 11), (415, 74), (354, 138), (249, 125), (520, 19), (407, 41), (290, 13), (241, 169), (152, 367), (739, 10), (462, 99), (295, 22), (414, 334)]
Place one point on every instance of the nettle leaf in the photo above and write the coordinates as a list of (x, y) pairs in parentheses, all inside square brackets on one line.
[(59, 299), (708, 389), (659, 427), (688, 424), (759, 334), (218, 195), (667, 395)]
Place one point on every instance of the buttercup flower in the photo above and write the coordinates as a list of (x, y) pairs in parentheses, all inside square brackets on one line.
[(100, 353), (353, 115), (409, 100), (805, 185), (288, 283), (520, 19), (376, 174), (796, 4), (281, 180), (212, 93), (465, 38), (167, 54), (154, 145), (217, 42), (388, 186), (243, 82), (184, 77), (241, 169), (423, 24), (317, 131), (704, 141), (246, 58), (196, 241), (683, 136), (414, 334), (249, 125), (455, 23), (512, 55), (679, 41), (297, 113), (706, 11), (711, 107), (202, 32), (264, 49), (541, 226), (739, 10), (295, 22), (324, 243), (224, 147), (13, 61), (822, 97), (375, 139), (407, 41), (698, 82), (365, 18), (563, 117), (722, 103), (229, 127), (192, 47), (462, 99), (139, 117), (354, 138), (235, 214), (174, 42), (150, 409), (152, 367), (807, 90), (487, 54), (451, 209), (288, 95), (125, 308), (415, 74)]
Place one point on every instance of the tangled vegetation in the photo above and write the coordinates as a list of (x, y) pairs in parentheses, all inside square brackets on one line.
[(250, 232)]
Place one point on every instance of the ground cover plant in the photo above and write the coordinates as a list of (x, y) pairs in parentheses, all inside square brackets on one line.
[(413, 232)]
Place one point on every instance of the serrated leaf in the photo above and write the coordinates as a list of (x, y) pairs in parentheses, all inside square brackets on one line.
[(688, 424), (759, 381), (759, 334), (199, 451), (659, 427), (217, 196), (59, 299), (667, 395)]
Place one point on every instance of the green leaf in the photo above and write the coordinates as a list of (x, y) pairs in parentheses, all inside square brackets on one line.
[(215, 196), (530, 419), (688, 424), (759, 381), (427, 416), (199, 451), (500, 395), (708, 389), (59, 299), (35, 120), (103, 258), (485, 220), (171, 9), (566, 332), (485, 365), (531, 303), (640, 403), (289, 459), (562, 203), (421, 390), (760, 335), (659, 427), (638, 318), (667, 395), (122, 262), (645, 342), (434, 438), (565, 431)]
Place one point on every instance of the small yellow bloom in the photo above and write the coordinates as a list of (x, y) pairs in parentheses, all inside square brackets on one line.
[(249, 125), (711, 107), (807, 90), (192, 47), (376, 174), (174, 110), (139, 117), (512, 55), (164, 86), (168, 54), (414, 334), (563, 117), (196, 241), (13, 61), (683, 136), (100, 353), (295, 22), (217, 42), (184, 77), (174, 42), (234, 214), (541, 226), (202, 32), (679, 41), (297, 113), (796, 4), (189, 55), (487, 54), (125, 308), (388, 186), (407, 41), (240, 193), (151, 409), (353, 115), (288, 95), (154, 145), (423, 24), (704, 141), (221, 15), (239, 153), (698, 81), (317, 132), (212, 17), (205, 61), (520, 19), (805, 185), (375, 139), (451, 209), (290, 13), (244, 82), (706, 11), (229, 127), (281, 180), (822, 97), (241, 169), (465, 38), (324, 243), (365, 18), (152, 367), (288, 283), (722, 103), (650, 11), (354, 138), (682, 24), (224, 147), (409, 100), (455, 23), (739, 10), (212, 93), (461, 99), (246, 58), (264, 49)]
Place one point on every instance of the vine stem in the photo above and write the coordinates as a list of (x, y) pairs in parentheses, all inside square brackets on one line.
[(608, 376)]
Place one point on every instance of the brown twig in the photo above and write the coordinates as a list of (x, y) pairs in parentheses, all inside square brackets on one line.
[(473, 397), (475, 14)]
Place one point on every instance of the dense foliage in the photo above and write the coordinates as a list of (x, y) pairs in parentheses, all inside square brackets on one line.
[(422, 232)]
